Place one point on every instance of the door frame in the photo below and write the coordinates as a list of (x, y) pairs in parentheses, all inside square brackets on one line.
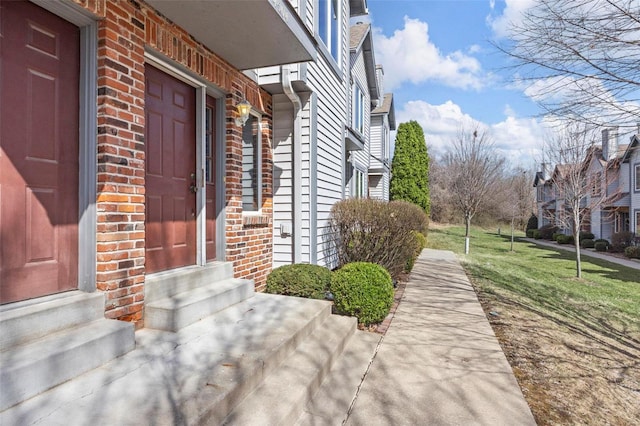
[(87, 140), (203, 89)]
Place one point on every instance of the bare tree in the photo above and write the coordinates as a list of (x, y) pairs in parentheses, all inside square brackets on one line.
[(519, 199), (474, 169), (580, 58), (578, 189)]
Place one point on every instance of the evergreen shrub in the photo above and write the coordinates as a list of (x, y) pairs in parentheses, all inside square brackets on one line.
[(565, 239), (601, 245), (587, 243), (547, 231), (586, 235), (532, 223), (363, 290), (300, 280)]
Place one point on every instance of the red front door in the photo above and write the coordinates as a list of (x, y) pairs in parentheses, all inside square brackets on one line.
[(170, 172), (39, 73)]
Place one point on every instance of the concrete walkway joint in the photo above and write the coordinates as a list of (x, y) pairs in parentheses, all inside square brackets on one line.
[(440, 362)]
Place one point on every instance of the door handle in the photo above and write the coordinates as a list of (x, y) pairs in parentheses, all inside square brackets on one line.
[(193, 189)]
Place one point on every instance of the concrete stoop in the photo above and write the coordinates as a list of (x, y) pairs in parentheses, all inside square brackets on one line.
[(176, 299), (45, 342), (258, 361)]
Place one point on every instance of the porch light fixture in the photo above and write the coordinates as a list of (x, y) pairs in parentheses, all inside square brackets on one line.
[(243, 108)]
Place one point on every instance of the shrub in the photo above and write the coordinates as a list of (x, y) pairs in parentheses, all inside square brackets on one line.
[(536, 234), (602, 240), (555, 236), (547, 231), (565, 239), (365, 230), (586, 235), (363, 290), (530, 232), (621, 240), (601, 245), (301, 280), (632, 252), (587, 243), (420, 243), (532, 223)]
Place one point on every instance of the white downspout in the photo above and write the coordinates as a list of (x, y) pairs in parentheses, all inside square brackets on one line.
[(297, 163)]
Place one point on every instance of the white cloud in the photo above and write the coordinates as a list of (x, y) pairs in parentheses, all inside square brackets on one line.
[(519, 140), (512, 14), (410, 56)]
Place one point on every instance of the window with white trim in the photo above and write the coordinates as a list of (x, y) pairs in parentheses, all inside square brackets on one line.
[(637, 182), (359, 184), (329, 26), (358, 109), (596, 184), (251, 161)]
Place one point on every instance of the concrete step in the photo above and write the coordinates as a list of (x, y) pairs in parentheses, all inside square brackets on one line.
[(32, 368), (282, 396), (194, 376), (169, 283), (30, 320), (182, 309), (330, 405)]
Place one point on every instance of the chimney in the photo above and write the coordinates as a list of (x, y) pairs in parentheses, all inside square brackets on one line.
[(546, 175), (609, 143)]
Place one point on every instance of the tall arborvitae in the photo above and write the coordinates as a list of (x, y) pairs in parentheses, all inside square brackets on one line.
[(410, 167)]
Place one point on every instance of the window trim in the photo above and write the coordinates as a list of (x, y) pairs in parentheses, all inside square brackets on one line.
[(325, 35), (358, 109), (258, 162), (636, 183)]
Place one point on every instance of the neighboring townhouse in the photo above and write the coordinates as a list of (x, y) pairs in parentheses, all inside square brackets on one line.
[(364, 95), (126, 167), (630, 172), (545, 198), (611, 173), (311, 104), (383, 121)]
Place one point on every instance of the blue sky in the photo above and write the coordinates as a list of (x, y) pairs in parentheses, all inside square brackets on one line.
[(442, 69)]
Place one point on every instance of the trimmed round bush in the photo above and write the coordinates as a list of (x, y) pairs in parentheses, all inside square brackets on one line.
[(587, 243), (555, 236), (586, 235), (602, 240), (536, 234), (301, 280), (565, 239), (601, 246), (547, 231), (530, 233), (632, 252), (363, 290)]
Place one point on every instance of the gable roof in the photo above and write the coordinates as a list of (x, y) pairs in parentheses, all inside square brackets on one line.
[(635, 142), (386, 107), (361, 40)]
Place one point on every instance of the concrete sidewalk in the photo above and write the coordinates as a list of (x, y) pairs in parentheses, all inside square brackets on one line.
[(440, 362)]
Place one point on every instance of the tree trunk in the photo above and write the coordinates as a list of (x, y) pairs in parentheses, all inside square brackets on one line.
[(576, 238), (511, 233), (467, 224)]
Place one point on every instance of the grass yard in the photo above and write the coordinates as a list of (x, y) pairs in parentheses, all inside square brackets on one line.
[(574, 344)]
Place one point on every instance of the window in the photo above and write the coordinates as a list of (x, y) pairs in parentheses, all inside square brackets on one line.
[(621, 222), (358, 109), (329, 26), (637, 229), (251, 174), (540, 194), (637, 182), (359, 185), (596, 184), (209, 138)]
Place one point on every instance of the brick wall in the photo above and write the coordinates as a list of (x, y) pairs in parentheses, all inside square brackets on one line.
[(126, 28)]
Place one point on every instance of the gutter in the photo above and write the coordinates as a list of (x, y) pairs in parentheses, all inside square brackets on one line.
[(297, 162)]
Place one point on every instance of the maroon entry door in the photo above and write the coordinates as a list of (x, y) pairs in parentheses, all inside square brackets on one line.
[(39, 74), (170, 172)]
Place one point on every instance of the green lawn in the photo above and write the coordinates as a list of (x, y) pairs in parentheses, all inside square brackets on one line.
[(606, 300)]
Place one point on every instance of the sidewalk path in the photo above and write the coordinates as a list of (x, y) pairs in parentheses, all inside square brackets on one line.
[(440, 363), (630, 263)]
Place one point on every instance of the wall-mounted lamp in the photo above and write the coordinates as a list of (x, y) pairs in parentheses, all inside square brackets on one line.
[(243, 108)]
